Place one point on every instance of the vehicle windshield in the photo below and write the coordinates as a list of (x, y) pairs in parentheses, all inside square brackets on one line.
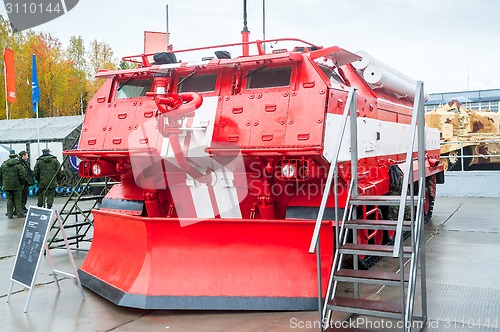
[(134, 89)]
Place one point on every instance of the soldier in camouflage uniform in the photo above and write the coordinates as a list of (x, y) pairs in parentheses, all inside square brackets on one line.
[(23, 158), (13, 177), (46, 167), (396, 187)]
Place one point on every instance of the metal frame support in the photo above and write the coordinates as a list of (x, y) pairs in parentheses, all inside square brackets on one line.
[(70, 255), (354, 176), (409, 162), (421, 175), (350, 107), (418, 241), (54, 271)]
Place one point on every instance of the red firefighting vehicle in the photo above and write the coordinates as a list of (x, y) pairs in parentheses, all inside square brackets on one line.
[(221, 166)]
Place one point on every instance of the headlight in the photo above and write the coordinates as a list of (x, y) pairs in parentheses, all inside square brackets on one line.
[(96, 169), (289, 171)]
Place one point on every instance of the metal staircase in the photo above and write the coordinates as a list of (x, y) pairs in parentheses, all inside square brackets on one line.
[(411, 256), (76, 214), (79, 206)]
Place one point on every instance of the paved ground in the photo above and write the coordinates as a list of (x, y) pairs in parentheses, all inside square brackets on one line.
[(463, 273)]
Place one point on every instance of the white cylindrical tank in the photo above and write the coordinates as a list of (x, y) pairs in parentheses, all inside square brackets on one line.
[(381, 78), (365, 61), (381, 75)]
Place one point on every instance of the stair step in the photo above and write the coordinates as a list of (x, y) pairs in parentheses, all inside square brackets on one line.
[(381, 200), (87, 198), (80, 237), (74, 212), (366, 307), (101, 184), (371, 249), (63, 245), (376, 224), (370, 277), (78, 224)]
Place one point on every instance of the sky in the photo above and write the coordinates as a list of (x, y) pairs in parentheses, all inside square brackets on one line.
[(451, 45)]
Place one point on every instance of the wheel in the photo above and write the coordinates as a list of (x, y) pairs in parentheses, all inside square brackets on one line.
[(454, 160), (429, 199), (389, 236), (446, 163)]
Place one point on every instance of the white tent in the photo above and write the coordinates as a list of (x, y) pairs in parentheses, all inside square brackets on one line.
[(53, 133), (4, 153)]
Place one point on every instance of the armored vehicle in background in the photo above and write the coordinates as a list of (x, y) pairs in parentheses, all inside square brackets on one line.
[(469, 139)]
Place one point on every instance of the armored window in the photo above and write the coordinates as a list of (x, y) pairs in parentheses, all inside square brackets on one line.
[(269, 77), (198, 83), (134, 89)]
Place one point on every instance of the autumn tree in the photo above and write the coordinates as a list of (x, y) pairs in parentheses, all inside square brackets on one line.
[(66, 76), (127, 65), (100, 56), (77, 57)]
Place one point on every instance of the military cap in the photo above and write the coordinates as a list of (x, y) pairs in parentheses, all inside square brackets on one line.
[(46, 151), (22, 153)]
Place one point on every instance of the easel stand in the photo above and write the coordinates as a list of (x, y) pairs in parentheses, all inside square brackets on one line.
[(26, 267)]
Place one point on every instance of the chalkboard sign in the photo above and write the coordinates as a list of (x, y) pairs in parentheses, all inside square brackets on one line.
[(31, 245)]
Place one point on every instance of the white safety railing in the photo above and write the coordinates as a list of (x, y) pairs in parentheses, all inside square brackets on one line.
[(462, 162)]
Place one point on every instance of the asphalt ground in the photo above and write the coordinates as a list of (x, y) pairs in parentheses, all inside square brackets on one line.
[(463, 285)]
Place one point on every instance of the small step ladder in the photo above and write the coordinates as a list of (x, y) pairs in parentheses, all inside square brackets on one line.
[(76, 213), (413, 253)]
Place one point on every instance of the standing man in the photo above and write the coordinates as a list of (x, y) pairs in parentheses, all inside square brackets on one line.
[(23, 158), (46, 168), (13, 178)]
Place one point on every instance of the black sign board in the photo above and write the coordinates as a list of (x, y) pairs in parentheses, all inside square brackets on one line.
[(31, 245)]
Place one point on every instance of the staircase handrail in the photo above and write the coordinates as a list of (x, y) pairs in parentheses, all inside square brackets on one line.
[(333, 168), (406, 173)]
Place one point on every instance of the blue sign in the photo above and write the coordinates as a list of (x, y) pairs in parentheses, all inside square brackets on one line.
[(74, 161)]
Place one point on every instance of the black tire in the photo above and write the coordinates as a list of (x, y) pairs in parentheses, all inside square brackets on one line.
[(428, 213), (457, 166), (430, 187)]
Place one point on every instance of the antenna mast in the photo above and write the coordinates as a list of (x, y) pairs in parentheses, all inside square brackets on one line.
[(245, 33), (264, 23), (169, 47)]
